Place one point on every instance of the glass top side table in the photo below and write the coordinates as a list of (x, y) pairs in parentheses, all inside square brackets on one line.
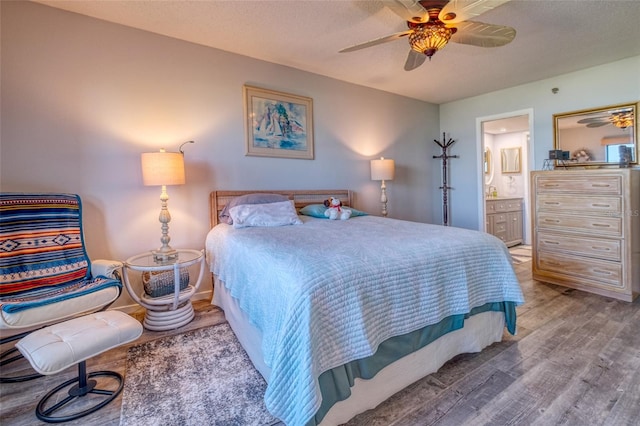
[(172, 310)]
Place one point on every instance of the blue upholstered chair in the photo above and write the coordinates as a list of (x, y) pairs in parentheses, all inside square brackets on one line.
[(45, 274)]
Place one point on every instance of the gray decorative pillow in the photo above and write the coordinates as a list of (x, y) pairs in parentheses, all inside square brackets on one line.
[(258, 198)]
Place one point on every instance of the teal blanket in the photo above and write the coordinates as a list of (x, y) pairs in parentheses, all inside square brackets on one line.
[(336, 383)]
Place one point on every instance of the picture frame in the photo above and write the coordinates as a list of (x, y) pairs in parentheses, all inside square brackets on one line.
[(278, 124)]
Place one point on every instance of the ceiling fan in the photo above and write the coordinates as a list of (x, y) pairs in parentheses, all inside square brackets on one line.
[(433, 23), (620, 118)]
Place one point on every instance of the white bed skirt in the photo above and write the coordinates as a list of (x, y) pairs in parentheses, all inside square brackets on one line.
[(479, 331)]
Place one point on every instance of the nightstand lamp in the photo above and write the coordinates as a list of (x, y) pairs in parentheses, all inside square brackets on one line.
[(163, 168), (383, 169)]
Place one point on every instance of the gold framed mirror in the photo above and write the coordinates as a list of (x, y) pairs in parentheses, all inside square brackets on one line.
[(510, 160), (488, 166), (487, 161), (603, 136)]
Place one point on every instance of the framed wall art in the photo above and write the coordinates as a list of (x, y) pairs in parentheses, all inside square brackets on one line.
[(278, 124)]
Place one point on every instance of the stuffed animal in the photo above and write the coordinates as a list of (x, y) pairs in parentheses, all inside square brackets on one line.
[(335, 210)]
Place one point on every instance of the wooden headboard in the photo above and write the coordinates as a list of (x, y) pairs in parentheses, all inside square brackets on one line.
[(301, 198)]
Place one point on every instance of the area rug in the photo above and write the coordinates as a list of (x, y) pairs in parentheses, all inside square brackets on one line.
[(202, 377), (520, 254)]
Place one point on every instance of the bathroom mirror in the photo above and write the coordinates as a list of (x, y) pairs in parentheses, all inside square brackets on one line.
[(488, 166), (510, 160), (487, 161), (599, 136)]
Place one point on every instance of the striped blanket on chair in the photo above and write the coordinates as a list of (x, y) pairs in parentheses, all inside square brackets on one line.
[(42, 254)]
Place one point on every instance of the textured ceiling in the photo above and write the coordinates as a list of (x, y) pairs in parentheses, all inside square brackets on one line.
[(553, 37)]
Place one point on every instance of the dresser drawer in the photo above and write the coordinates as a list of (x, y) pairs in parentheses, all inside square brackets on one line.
[(585, 184), (496, 206), (499, 218), (611, 206), (501, 234), (600, 273), (601, 248), (607, 226), (499, 228), (506, 205), (513, 205)]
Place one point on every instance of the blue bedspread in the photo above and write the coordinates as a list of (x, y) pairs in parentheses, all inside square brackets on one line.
[(328, 292)]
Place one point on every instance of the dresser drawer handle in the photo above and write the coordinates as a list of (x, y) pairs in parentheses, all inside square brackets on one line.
[(551, 203), (600, 185), (600, 205), (600, 271), (552, 220), (551, 242), (602, 225), (600, 248), (550, 185)]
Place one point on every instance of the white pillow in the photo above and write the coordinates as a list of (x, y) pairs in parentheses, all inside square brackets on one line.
[(271, 214)]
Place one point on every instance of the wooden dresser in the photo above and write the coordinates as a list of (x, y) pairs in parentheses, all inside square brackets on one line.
[(586, 230), (504, 219)]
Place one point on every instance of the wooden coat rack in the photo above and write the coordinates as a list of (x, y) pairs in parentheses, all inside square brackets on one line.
[(445, 144)]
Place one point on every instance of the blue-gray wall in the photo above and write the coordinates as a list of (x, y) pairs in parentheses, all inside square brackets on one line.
[(83, 98), (609, 84)]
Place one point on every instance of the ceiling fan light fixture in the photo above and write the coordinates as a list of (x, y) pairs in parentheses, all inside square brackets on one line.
[(622, 120), (429, 39), (432, 23)]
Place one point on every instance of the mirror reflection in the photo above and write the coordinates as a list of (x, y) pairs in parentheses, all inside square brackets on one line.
[(510, 160), (488, 166), (599, 136), (487, 161)]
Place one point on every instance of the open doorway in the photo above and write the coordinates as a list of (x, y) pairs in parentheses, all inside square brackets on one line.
[(504, 147)]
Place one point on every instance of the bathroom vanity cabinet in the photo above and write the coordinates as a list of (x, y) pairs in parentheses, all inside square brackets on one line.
[(504, 219)]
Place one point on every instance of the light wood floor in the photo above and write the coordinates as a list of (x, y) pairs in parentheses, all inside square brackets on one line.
[(574, 361)]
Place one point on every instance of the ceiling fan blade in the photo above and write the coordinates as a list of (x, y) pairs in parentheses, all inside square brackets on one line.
[(414, 60), (409, 10), (376, 41), (462, 10), (592, 120), (483, 35)]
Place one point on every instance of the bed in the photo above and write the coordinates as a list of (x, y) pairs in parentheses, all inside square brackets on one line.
[(338, 316)]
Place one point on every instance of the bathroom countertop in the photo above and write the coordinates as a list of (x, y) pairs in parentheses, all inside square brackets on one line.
[(500, 197)]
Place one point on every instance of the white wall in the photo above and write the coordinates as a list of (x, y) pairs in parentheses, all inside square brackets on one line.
[(509, 184), (83, 98), (617, 82)]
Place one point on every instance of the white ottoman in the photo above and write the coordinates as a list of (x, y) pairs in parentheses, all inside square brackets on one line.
[(57, 347)]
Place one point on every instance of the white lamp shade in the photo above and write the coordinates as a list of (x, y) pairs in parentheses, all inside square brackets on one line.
[(163, 168), (382, 169)]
